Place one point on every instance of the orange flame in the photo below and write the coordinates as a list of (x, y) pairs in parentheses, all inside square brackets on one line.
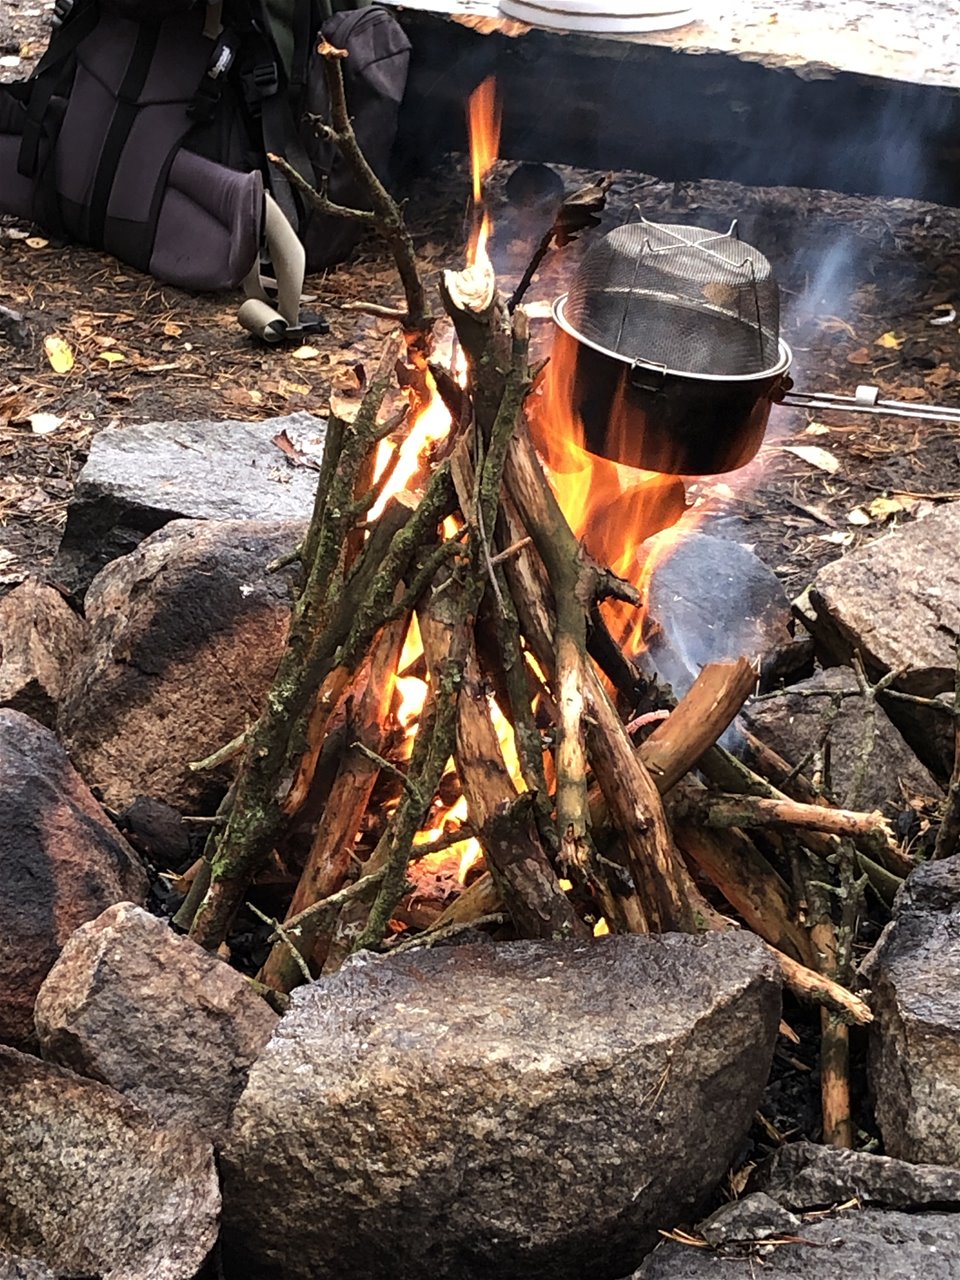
[(612, 507), (483, 128)]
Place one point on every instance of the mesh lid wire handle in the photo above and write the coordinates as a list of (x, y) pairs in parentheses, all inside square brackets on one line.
[(691, 300)]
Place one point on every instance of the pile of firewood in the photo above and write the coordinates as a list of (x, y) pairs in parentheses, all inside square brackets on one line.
[(614, 819)]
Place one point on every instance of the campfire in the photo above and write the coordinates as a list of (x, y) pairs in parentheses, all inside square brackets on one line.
[(459, 735)]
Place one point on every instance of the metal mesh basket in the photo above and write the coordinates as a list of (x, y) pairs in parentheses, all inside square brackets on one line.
[(692, 300)]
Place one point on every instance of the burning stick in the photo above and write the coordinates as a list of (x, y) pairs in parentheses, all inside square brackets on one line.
[(333, 844), (579, 212)]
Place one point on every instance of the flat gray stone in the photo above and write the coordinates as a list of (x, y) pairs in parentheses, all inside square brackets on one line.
[(804, 1176), (185, 636), (897, 601), (793, 724), (754, 1217), (136, 479), (170, 1026), (90, 1185), (868, 1245), (914, 1046), (526, 1109)]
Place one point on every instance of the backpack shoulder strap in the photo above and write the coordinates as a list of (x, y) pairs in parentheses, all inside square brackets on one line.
[(76, 20)]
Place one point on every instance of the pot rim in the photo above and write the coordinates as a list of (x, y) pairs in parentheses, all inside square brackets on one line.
[(782, 365)]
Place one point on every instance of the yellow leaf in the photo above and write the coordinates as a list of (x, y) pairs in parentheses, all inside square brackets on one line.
[(112, 357), (890, 341), (305, 353), (58, 353), (172, 330), (884, 508)]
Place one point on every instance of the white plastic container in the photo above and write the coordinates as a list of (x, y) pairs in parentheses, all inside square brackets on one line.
[(610, 17)]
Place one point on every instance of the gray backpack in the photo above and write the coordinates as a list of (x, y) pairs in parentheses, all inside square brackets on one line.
[(145, 127)]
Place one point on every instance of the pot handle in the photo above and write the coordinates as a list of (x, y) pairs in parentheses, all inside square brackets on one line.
[(647, 377)]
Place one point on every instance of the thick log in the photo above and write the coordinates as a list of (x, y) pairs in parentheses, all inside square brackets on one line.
[(637, 812), (697, 721)]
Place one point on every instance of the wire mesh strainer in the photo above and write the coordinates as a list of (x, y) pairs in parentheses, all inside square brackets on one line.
[(694, 301)]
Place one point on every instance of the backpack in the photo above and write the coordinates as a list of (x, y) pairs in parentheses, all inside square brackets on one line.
[(144, 131)]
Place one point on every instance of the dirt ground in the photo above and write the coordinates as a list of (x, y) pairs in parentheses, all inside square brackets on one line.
[(868, 289)]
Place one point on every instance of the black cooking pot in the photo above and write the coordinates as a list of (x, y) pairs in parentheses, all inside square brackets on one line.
[(660, 419)]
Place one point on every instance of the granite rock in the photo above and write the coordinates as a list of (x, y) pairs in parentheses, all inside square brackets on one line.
[(186, 633), (62, 863), (526, 1108), (170, 1026)]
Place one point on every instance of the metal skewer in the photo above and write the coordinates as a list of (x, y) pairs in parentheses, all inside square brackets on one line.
[(867, 400)]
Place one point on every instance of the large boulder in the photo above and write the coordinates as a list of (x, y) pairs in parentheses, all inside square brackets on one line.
[(186, 632), (866, 1245), (914, 1055), (41, 639), (793, 724), (167, 1024), (90, 1185), (530, 1108), (897, 600), (138, 478), (61, 863)]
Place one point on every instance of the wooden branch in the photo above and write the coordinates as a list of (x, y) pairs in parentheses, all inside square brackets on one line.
[(525, 881), (726, 771), (697, 721), (749, 883), (834, 1050), (756, 811), (636, 809), (332, 847), (391, 224), (813, 987)]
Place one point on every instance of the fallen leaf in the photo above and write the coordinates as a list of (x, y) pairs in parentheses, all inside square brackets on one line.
[(36, 242), (172, 330), (815, 456), (890, 341), (295, 455), (837, 538), (304, 353), (858, 516), (942, 376), (112, 357), (884, 508), (861, 356), (816, 429), (44, 424), (58, 353)]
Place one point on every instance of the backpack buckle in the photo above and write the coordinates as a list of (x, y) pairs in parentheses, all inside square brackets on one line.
[(61, 12), (264, 79)]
